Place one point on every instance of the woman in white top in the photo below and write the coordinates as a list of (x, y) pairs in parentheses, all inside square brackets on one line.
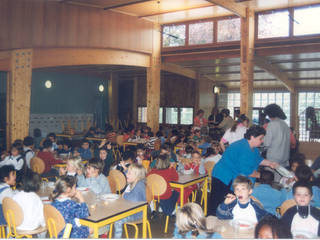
[(30, 202), (236, 132)]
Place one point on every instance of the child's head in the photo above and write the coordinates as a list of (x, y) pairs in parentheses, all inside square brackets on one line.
[(28, 141), (191, 218), (103, 153), (196, 157), (31, 182), (66, 145), (135, 173), (85, 144), (94, 167), (189, 149), (266, 177), (162, 162), (8, 175), (270, 227), (47, 144), (164, 149), (60, 144), (14, 150), (210, 151), (128, 156), (140, 150), (197, 133), (52, 136), (74, 164), (304, 173), (296, 160), (302, 193), (65, 185), (242, 187), (36, 132)]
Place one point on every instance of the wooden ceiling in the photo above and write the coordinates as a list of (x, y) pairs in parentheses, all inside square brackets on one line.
[(302, 68)]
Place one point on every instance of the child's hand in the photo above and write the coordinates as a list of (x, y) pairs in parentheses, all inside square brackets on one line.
[(79, 196), (62, 171), (229, 198), (109, 146)]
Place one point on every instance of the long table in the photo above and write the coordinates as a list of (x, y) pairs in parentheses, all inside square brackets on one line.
[(186, 180)]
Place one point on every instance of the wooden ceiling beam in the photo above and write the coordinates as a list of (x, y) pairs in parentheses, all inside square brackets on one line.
[(177, 69), (236, 8), (126, 4), (275, 71)]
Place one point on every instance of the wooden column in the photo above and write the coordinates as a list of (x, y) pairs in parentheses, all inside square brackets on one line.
[(113, 101), (153, 81), (246, 63), (294, 121), (18, 95), (197, 93), (135, 101)]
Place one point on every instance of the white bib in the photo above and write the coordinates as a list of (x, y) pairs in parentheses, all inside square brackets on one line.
[(309, 224), (248, 213)]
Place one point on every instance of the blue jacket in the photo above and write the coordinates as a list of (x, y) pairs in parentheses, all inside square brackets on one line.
[(238, 159), (85, 153), (224, 211), (98, 185), (137, 194), (269, 197)]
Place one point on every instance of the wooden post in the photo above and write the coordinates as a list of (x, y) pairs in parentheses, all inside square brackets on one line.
[(294, 110), (18, 95), (246, 63), (197, 93), (135, 101), (153, 81), (113, 100)]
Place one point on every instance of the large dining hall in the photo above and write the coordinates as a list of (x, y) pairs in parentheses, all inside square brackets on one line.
[(160, 119)]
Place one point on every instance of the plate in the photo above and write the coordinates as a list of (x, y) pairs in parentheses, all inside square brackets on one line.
[(242, 224), (109, 197), (303, 234), (44, 198), (83, 189), (190, 171)]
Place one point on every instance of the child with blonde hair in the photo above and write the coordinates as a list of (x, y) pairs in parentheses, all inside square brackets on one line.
[(191, 223), (72, 211), (135, 191), (74, 165)]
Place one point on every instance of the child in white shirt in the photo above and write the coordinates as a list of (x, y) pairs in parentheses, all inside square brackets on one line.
[(16, 160)]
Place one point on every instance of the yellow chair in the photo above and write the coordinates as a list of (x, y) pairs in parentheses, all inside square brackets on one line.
[(286, 205), (146, 164), (37, 165), (55, 222), (14, 217), (158, 186), (208, 166), (117, 181)]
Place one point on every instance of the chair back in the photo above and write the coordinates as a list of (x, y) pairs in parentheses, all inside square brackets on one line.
[(117, 181), (12, 213), (157, 184), (119, 140), (37, 165), (286, 205), (54, 220), (146, 164), (209, 166), (257, 201)]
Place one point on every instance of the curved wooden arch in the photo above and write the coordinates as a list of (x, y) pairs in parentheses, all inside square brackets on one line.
[(55, 57)]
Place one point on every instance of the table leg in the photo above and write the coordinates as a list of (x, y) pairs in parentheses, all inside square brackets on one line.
[(181, 196), (95, 232), (144, 221), (205, 192)]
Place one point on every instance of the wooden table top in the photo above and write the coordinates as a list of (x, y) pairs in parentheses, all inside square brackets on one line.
[(186, 178)]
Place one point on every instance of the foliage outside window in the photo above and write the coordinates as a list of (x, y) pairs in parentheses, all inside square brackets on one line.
[(186, 116), (173, 35), (304, 21), (273, 25), (229, 30), (201, 33)]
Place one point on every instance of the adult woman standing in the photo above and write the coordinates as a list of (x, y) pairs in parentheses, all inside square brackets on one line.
[(240, 158)]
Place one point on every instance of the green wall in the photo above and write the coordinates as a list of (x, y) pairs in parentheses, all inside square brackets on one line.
[(70, 93)]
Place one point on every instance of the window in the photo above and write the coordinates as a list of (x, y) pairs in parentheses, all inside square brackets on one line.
[(200, 33), (173, 35), (142, 114), (172, 115), (233, 102), (304, 21), (273, 25), (160, 115), (186, 116), (306, 99), (229, 30)]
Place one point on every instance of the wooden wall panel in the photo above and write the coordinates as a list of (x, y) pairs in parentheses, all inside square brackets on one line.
[(33, 23)]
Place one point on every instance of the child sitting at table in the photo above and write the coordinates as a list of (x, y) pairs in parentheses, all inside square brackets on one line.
[(85, 151), (212, 156), (15, 159), (135, 192), (166, 149), (169, 198), (66, 147), (106, 156), (95, 180), (191, 223), (73, 166), (127, 160), (303, 217), (240, 206), (270, 227), (28, 149), (140, 154), (49, 160), (7, 180), (295, 161), (269, 197), (30, 203), (53, 138), (72, 211)]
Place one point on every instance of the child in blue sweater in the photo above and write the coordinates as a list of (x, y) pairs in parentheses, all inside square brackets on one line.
[(95, 180), (240, 206), (135, 191)]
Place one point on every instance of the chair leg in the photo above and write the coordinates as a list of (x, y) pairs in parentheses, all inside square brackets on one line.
[(167, 222), (3, 233), (110, 230), (126, 230), (149, 229)]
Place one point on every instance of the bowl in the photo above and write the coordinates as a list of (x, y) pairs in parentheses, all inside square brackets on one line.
[(189, 171), (109, 197)]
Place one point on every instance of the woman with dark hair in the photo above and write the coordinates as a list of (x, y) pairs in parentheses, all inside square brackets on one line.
[(277, 139), (241, 158)]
